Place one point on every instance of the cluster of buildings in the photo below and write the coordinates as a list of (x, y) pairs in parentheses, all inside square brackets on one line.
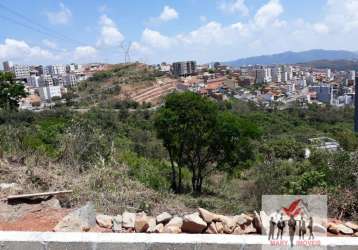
[(279, 85), (46, 83)]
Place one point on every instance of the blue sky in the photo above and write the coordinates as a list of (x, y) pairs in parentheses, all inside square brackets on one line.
[(163, 30)]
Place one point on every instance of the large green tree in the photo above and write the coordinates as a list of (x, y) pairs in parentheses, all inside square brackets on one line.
[(11, 92), (200, 137)]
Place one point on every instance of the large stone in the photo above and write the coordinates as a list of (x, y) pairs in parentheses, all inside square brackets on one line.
[(159, 228), (219, 227), (242, 219), (335, 228), (163, 218), (239, 230), (104, 220), (257, 222), (174, 225), (207, 215), (265, 222), (249, 229), (351, 225), (128, 220), (152, 224), (211, 229), (228, 223), (193, 223), (79, 220), (344, 229), (141, 222), (117, 223)]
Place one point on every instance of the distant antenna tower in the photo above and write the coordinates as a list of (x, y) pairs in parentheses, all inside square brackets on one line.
[(126, 46)]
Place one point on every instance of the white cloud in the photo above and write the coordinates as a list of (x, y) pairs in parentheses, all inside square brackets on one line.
[(155, 39), (234, 6), (269, 13), (168, 14), (85, 53), (62, 16), (13, 49), (49, 44), (342, 15), (321, 28), (110, 35)]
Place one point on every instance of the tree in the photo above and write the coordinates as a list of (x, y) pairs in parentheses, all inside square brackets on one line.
[(200, 137), (11, 92)]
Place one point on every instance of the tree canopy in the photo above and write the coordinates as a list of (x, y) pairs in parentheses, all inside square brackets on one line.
[(11, 91), (200, 137)]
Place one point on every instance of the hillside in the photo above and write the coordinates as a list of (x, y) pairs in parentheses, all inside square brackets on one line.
[(123, 82), (291, 57), (345, 65), (120, 164)]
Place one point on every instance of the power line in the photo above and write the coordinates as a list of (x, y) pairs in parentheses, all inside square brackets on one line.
[(42, 29)]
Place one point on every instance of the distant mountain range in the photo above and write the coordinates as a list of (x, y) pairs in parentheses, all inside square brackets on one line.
[(291, 57)]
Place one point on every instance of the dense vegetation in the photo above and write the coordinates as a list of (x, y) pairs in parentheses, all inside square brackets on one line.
[(125, 158), (10, 91)]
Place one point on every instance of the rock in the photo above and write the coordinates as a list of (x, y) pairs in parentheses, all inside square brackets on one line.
[(79, 220), (174, 225), (332, 228), (228, 223), (335, 228), (344, 229), (128, 220), (152, 224), (207, 215), (141, 222), (104, 220), (163, 218), (351, 225), (238, 230), (257, 223), (159, 228), (219, 227), (249, 229), (193, 223), (211, 229), (265, 222), (242, 219), (117, 223)]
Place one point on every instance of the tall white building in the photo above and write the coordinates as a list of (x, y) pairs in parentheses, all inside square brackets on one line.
[(352, 75), (49, 92), (21, 71), (33, 81), (45, 80), (263, 75), (276, 74), (57, 69), (69, 80), (329, 73)]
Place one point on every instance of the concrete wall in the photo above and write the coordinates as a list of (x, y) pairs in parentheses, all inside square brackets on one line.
[(109, 241)]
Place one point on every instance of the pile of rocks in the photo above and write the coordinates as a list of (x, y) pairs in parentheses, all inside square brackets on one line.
[(202, 221), (338, 227)]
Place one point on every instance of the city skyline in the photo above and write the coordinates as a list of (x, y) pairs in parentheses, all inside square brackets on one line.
[(62, 31)]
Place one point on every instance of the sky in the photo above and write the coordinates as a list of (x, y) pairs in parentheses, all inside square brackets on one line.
[(155, 31)]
